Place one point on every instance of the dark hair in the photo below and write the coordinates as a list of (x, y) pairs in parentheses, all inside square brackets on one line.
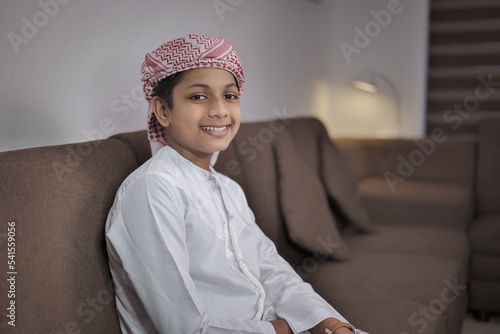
[(166, 86)]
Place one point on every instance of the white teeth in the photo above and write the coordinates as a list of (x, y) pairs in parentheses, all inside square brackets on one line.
[(212, 128)]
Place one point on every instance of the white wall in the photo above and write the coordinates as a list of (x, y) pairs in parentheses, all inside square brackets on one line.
[(76, 77), (397, 50), (70, 81)]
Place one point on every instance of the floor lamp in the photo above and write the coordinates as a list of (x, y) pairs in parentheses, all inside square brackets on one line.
[(368, 82)]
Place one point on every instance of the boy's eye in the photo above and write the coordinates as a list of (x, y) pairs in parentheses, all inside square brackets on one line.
[(198, 97), (230, 96)]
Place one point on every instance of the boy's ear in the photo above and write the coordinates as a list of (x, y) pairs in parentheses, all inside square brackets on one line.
[(161, 111)]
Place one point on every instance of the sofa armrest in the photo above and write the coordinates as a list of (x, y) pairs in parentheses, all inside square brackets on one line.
[(488, 165)]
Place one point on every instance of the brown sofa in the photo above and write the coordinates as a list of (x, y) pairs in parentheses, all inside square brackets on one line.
[(407, 276)]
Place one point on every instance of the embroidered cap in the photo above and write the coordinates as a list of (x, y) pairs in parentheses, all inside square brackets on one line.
[(182, 54)]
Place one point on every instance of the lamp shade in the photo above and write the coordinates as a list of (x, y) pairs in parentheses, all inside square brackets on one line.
[(366, 81)]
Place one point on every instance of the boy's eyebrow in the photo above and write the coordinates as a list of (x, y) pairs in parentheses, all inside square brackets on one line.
[(207, 86)]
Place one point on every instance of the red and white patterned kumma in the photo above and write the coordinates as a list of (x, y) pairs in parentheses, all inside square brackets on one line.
[(182, 54)]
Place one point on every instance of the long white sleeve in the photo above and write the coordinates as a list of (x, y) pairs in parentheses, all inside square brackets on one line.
[(292, 299)]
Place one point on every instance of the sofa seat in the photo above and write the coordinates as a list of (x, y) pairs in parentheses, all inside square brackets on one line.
[(389, 275), (441, 242), (385, 314), (432, 285), (417, 202), (431, 242)]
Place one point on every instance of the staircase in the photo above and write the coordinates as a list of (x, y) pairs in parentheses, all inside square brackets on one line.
[(464, 54)]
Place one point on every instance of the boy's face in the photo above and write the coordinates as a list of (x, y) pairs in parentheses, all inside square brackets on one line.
[(206, 113)]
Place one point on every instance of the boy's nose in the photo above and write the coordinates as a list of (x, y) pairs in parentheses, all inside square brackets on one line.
[(218, 108)]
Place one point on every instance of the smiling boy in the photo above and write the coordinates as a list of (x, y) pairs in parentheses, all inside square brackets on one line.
[(184, 249), (207, 114)]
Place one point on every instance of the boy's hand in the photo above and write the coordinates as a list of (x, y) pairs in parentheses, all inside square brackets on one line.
[(281, 327)]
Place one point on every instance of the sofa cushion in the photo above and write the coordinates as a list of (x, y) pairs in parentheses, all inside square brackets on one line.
[(308, 218), (342, 186), (441, 242), (323, 158), (382, 314), (417, 202), (433, 282), (484, 233)]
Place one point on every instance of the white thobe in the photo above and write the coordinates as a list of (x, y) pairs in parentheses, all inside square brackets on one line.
[(173, 263)]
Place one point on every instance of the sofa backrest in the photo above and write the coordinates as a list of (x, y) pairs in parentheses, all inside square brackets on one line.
[(449, 160), (58, 197)]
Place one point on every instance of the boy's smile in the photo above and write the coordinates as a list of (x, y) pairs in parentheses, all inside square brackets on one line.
[(205, 115), (217, 131)]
